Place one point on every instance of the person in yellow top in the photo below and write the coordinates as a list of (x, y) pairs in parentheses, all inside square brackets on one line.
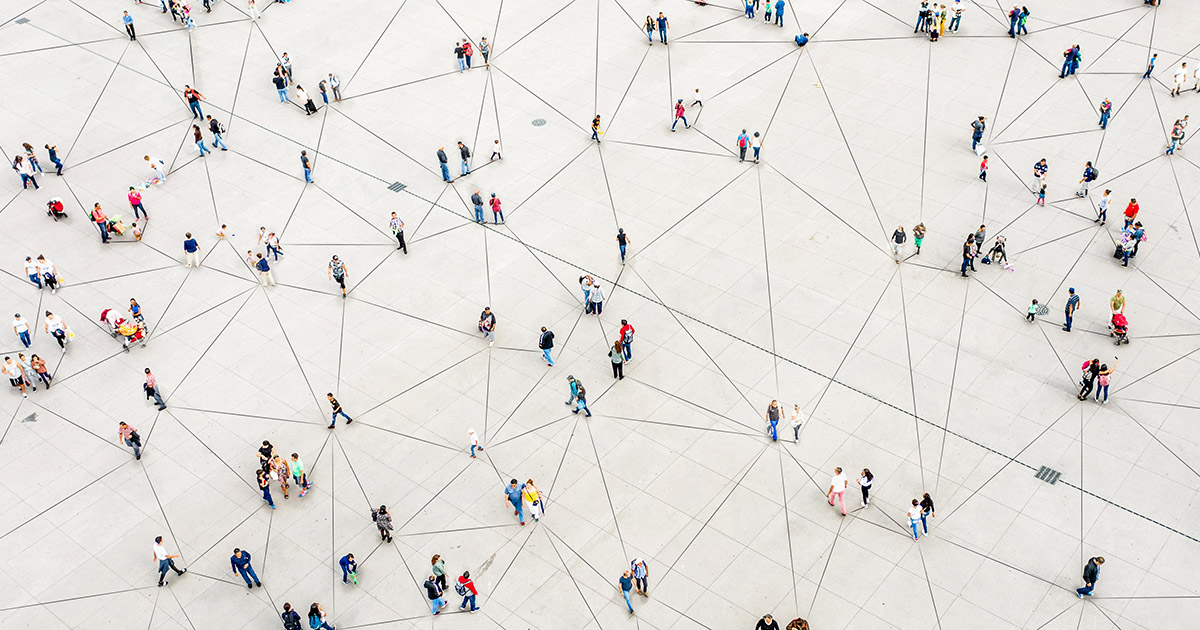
[(596, 129), (533, 498)]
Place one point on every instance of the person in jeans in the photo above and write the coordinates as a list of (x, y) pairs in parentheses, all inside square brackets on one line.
[(1103, 378), (641, 573), (512, 495), (915, 514), (151, 387), (239, 563), (1091, 573), (466, 588), (316, 618), (626, 583), (435, 595), (774, 413), (898, 240), (264, 483), (349, 567), (337, 410), (626, 334), (129, 436), (546, 344), (165, 562), (291, 618), (926, 512), (617, 355)]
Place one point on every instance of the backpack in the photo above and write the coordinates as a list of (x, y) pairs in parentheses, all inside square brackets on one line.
[(627, 337), (1095, 174), (220, 127), (460, 589)]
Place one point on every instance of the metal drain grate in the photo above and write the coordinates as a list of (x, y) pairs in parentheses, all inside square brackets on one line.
[(538, 122), (396, 187), (1049, 475)]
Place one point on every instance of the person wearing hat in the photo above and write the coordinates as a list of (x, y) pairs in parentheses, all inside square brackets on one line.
[(679, 116)]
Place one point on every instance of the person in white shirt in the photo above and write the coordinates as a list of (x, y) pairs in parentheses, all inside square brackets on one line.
[(58, 328), (49, 273), (1102, 216), (1180, 77), (474, 438), (21, 328), (165, 562), (914, 517), (16, 375), (159, 168), (31, 270), (797, 420), (864, 483), (698, 100), (756, 144), (837, 488)]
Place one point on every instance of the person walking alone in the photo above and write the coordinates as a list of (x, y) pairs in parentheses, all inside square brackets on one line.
[(1091, 573), (337, 271), (626, 334), (383, 522), (679, 116), (130, 437), (129, 26), (192, 249), (397, 226), (337, 410), (151, 388), (166, 562), (865, 480), (487, 325), (546, 344)]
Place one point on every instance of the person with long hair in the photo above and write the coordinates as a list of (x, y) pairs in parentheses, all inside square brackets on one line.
[(317, 618), (864, 484), (617, 355)]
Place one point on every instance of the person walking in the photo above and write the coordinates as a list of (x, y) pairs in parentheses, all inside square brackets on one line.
[(239, 564), (837, 488), (1072, 306), (533, 498), (898, 240), (617, 356), (465, 154), (749, 9), (1091, 370), (16, 375), (1104, 378), (983, 169), (302, 96), (495, 143), (193, 100), (273, 248), (914, 515), (581, 400), (1150, 66), (31, 271), (349, 568), (641, 572), (1180, 79), (52, 149), (473, 439), (1090, 174), (626, 335), (865, 479), (317, 618), (497, 213), (466, 586), (129, 436), (291, 618), (679, 116), (957, 19), (25, 170), (1102, 212), (217, 130), (512, 495), (649, 26), (1091, 573), (1071, 59), (296, 467), (444, 162), (485, 49), (307, 166), (756, 145), (918, 232), (626, 584), (596, 129), (21, 328), (435, 595), (743, 141), (264, 484), (40, 369), (926, 512), (663, 25), (439, 571), (1040, 168), (129, 26), (151, 388), (383, 522), (546, 344), (1105, 112), (574, 386), (596, 300), (199, 137), (1022, 20), (487, 325), (56, 327), (135, 203), (337, 271), (1014, 16), (396, 224), (477, 203), (796, 423), (166, 562), (774, 413), (264, 271), (337, 410)]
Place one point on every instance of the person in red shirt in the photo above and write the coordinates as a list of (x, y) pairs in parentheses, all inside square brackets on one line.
[(627, 339), (497, 213), (467, 52), (983, 169), (101, 221), (1131, 212), (679, 116), (466, 588)]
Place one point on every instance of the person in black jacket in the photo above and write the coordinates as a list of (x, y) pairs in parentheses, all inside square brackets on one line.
[(466, 157), (1091, 573), (766, 623), (435, 595), (442, 162), (546, 344)]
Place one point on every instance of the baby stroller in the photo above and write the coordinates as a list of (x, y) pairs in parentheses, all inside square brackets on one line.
[(115, 225), (54, 209), (111, 320), (132, 333), (1120, 329)]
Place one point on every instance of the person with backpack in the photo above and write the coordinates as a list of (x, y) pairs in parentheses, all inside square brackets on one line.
[(217, 129), (316, 618), (1090, 174), (743, 142), (291, 618), (466, 588), (626, 334), (383, 520)]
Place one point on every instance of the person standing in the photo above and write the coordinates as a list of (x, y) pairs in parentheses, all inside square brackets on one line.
[(217, 129), (1091, 573), (307, 166), (957, 19), (281, 87), (25, 170), (100, 220), (468, 52), (1089, 175), (383, 522), (129, 26), (749, 9), (473, 438), (1131, 212), (264, 484), (596, 300), (837, 488), (512, 495), (617, 356), (336, 86), (898, 240), (679, 116), (1072, 306), (291, 618), (497, 213), (337, 271), (151, 387), (1071, 61), (585, 285), (977, 129), (337, 410), (1091, 370), (774, 413), (626, 334), (204, 150), (444, 161), (397, 226), (298, 475), (317, 618), (546, 344), (31, 271), (926, 512), (487, 325), (743, 141), (918, 232), (466, 586), (1104, 378), (766, 623), (1039, 174), (166, 562), (1105, 111), (626, 584), (264, 271), (135, 203), (435, 595), (865, 480), (465, 154), (239, 564), (130, 437), (477, 204), (914, 515), (192, 249), (21, 328), (1150, 66), (193, 100), (1102, 215), (641, 574), (349, 568), (779, 12), (968, 255), (663, 25), (460, 54)]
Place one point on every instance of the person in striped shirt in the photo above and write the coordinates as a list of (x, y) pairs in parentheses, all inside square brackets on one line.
[(397, 226)]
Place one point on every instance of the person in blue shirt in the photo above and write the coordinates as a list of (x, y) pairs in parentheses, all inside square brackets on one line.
[(663, 25), (304, 163), (291, 618), (512, 494), (802, 39), (129, 26), (1150, 68), (53, 150), (349, 567), (626, 583), (239, 563), (264, 271), (779, 12), (192, 249)]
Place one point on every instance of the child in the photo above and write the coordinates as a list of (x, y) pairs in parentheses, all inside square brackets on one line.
[(221, 232), (137, 232), (697, 100), (1033, 307), (983, 169), (1042, 196), (767, 16), (496, 151)]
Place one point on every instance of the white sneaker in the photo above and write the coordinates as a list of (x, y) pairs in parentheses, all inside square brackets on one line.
[(491, 343), (864, 504)]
